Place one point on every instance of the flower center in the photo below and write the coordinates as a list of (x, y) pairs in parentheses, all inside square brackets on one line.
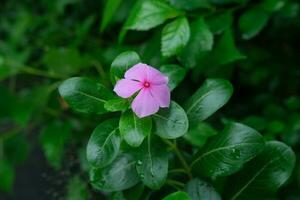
[(146, 84)]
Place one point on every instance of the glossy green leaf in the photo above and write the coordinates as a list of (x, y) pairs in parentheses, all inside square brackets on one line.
[(264, 174), (175, 36), (210, 97), (119, 175), (190, 4), (150, 14), (122, 63), (110, 9), (53, 139), (104, 144), (152, 165), (199, 134), (134, 129), (85, 95), (177, 196), (252, 22), (227, 152), (198, 189), (77, 189), (175, 74), (220, 22), (171, 122), (201, 40), (117, 104), (7, 176)]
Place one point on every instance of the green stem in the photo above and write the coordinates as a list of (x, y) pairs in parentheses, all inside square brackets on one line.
[(178, 171), (175, 183)]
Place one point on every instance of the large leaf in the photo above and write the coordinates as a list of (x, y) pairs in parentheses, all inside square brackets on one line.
[(104, 144), (175, 74), (119, 175), (53, 139), (177, 196), (122, 63), (200, 42), (264, 174), (110, 9), (85, 95), (134, 129), (252, 22), (116, 104), (175, 36), (150, 14), (198, 189), (171, 122), (152, 165), (228, 151), (210, 97)]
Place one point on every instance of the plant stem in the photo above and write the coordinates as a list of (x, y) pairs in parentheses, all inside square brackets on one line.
[(178, 171), (174, 183)]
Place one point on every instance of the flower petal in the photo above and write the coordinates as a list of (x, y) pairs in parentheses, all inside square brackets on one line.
[(161, 94), (137, 72), (156, 77), (126, 88), (144, 104)]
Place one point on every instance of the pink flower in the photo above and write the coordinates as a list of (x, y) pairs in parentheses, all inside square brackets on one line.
[(152, 88)]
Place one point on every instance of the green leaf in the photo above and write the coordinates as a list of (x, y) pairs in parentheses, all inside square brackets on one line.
[(177, 196), (85, 95), (226, 153), (252, 22), (134, 129), (7, 176), (198, 135), (190, 4), (117, 104), (150, 14), (53, 139), (122, 63), (210, 97), (175, 74), (272, 5), (119, 175), (201, 41), (264, 174), (225, 2), (110, 9), (220, 22), (152, 165), (171, 122), (175, 36), (104, 144), (77, 189), (225, 51), (64, 61), (198, 189), (8, 67)]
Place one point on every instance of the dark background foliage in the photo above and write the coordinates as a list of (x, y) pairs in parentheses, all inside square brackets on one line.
[(42, 43)]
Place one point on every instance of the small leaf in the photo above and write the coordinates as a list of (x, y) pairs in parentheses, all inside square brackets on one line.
[(122, 63), (198, 135), (119, 175), (175, 36), (198, 189), (210, 97), (134, 129), (201, 40), (118, 104), (110, 9), (85, 95), (264, 174), (171, 122), (151, 14), (152, 165), (175, 74), (226, 153), (252, 22), (53, 139), (177, 196), (104, 144), (7, 176)]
